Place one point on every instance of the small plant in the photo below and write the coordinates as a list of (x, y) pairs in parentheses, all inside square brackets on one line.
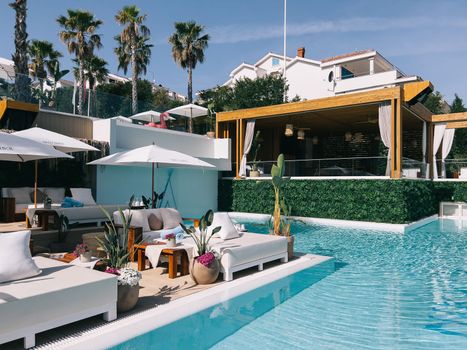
[(170, 236), (202, 239), (149, 203), (255, 147), (278, 181), (80, 249), (285, 221), (206, 259), (128, 277)]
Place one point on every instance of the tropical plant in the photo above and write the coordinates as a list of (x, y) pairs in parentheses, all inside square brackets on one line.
[(188, 45), (56, 74), (80, 249), (202, 238), (43, 58), (79, 34), (115, 243), (133, 43), (20, 57), (278, 182), (285, 219)]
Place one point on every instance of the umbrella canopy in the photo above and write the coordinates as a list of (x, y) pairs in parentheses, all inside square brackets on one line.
[(149, 116), (19, 149), (155, 156), (58, 141), (190, 111)]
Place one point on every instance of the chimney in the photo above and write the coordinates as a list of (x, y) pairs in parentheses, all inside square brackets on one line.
[(301, 52)]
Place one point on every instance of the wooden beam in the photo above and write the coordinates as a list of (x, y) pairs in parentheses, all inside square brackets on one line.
[(240, 143), (449, 117), (237, 137), (3, 106), (352, 99), (420, 110), (413, 90), (456, 125)]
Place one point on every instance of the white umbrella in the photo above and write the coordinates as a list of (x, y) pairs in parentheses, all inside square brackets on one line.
[(154, 155), (58, 141), (19, 149), (190, 111), (149, 116)]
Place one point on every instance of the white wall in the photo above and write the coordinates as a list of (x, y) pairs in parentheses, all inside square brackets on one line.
[(245, 73), (305, 80), (366, 82)]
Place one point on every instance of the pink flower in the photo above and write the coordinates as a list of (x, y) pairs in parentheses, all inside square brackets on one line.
[(113, 271), (169, 236), (206, 259)]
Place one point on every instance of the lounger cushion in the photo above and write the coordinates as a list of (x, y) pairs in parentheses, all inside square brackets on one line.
[(56, 194), (228, 230), (15, 257), (21, 194), (83, 195), (170, 217), (41, 196), (154, 222)]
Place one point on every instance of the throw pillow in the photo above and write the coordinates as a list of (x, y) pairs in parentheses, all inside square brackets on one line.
[(171, 218), (228, 230), (83, 195), (41, 196), (15, 257), (155, 224)]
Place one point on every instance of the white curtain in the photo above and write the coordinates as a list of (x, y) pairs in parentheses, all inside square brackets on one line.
[(437, 139), (384, 121), (249, 134), (446, 148), (424, 150)]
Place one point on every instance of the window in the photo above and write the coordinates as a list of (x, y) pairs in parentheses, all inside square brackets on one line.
[(275, 61), (346, 74)]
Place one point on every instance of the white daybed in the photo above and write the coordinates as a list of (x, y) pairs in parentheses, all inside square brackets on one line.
[(61, 294)]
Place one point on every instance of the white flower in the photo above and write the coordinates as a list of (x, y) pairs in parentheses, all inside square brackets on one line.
[(128, 277)]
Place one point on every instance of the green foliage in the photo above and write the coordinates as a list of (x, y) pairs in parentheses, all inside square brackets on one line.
[(390, 201), (459, 147), (434, 102), (115, 243), (202, 239)]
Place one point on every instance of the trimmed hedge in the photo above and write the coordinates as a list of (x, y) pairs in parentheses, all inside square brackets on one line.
[(390, 201)]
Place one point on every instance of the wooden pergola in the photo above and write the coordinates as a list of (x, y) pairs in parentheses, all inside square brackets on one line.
[(404, 100)]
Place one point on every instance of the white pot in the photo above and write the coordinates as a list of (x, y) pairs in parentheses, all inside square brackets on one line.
[(86, 257), (254, 173), (171, 243)]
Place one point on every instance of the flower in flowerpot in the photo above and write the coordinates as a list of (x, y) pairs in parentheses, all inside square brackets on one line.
[(205, 267), (47, 203), (171, 240), (82, 252)]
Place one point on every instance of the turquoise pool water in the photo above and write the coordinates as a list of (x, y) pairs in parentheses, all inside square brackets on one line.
[(383, 291)]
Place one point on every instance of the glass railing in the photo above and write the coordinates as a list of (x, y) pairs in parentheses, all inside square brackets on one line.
[(64, 97), (455, 168)]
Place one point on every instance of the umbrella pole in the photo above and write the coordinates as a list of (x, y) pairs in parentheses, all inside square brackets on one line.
[(35, 184), (152, 192)]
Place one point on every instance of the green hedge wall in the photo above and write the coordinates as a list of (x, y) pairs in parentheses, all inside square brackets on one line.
[(390, 201)]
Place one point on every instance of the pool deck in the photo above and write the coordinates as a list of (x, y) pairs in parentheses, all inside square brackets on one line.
[(163, 301)]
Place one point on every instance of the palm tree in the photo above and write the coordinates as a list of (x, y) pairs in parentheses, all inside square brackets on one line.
[(20, 57), (43, 57), (95, 71), (143, 54), (56, 74), (80, 36), (187, 50), (131, 35)]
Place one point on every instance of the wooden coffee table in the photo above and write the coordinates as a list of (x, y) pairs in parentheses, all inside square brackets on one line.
[(172, 254)]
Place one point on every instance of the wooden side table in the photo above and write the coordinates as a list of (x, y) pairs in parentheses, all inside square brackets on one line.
[(172, 254), (8, 209), (43, 216)]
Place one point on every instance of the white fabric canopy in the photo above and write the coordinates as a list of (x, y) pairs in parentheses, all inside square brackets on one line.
[(437, 138), (58, 141), (150, 116), (249, 134), (448, 139), (190, 111), (19, 149), (384, 122)]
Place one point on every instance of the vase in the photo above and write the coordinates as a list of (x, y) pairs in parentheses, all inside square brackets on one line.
[(205, 274), (254, 173), (85, 257), (171, 243), (290, 243), (127, 297)]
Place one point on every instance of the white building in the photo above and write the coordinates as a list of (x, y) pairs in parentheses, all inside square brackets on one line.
[(310, 79)]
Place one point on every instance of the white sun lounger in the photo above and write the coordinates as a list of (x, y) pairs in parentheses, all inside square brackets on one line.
[(61, 294)]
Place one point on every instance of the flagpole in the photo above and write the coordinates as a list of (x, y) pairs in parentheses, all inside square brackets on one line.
[(285, 49)]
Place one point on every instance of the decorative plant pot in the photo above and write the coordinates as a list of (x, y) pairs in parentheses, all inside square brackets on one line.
[(205, 275), (290, 242), (211, 134), (171, 243), (254, 173), (127, 297), (85, 257)]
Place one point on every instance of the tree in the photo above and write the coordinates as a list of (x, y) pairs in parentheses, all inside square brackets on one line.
[(43, 58), (80, 36), (459, 147), (187, 50), (20, 57), (56, 74), (434, 102), (162, 101), (133, 37)]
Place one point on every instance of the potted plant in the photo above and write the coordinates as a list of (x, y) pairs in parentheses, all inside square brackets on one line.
[(83, 253), (256, 145), (171, 240), (205, 267), (285, 227), (115, 244), (211, 119), (47, 203)]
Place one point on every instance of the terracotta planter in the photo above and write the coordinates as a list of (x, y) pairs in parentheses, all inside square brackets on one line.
[(254, 173), (211, 134), (205, 275), (127, 297), (85, 257), (290, 242)]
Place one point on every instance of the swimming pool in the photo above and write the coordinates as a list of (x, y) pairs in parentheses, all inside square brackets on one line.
[(383, 291)]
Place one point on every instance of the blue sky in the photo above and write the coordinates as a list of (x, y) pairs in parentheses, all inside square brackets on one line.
[(426, 38)]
